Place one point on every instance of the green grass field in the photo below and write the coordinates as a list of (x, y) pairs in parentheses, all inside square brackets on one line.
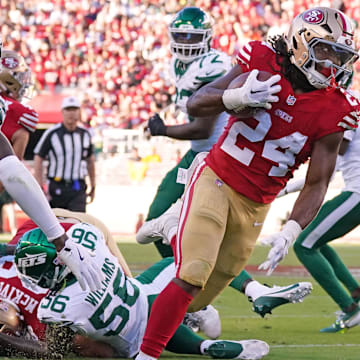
[(292, 331)]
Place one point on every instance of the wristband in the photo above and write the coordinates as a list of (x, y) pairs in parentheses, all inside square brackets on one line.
[(231, 99), (292, 230)]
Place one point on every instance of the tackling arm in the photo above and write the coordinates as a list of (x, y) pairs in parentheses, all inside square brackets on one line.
[(200, 128), (207, 101)]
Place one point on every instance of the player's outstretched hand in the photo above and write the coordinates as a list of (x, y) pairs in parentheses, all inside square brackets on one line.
[(81, 264), (156, 125), (280, 244)]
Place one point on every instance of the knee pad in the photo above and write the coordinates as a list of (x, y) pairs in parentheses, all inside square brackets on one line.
[(196, 272)]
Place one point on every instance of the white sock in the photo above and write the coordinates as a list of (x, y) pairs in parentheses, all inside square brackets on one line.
[(254, 289), (25, 190), (143, 356), (205, 345)]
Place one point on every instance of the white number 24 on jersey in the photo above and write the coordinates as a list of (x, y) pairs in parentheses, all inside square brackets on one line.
[(290, 145)]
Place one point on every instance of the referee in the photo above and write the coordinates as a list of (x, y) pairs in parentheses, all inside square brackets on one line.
[(69, 152)]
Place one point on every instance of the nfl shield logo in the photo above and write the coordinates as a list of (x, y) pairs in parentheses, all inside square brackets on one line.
[(291, 100)]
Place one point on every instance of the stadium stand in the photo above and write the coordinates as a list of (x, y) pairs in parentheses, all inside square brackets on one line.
[(112, 49)]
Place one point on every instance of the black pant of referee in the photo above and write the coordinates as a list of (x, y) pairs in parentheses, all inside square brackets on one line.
[(69, 195)]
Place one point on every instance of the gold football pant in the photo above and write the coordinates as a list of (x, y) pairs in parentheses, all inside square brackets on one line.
[(216, 235)]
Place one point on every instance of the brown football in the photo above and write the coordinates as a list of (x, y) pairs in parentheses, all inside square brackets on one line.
[(238, 82)]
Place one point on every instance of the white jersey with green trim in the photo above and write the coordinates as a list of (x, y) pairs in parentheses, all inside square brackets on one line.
[(116, 314), (349, 163), (190, 77)]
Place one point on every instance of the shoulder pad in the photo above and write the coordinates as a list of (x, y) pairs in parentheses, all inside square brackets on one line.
[(212, 66)]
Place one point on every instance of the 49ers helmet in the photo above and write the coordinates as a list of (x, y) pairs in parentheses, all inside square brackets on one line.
[(11, 319), (37, 262), (15, 75), (321, 45), (190, 34)]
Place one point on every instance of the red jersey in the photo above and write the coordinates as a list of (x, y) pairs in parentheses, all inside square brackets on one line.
[(257, 156), (26, 299), (18, 116)]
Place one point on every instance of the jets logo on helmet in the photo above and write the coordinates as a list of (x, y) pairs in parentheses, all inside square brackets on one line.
[(32, 260), (37, 263), (313, 16)]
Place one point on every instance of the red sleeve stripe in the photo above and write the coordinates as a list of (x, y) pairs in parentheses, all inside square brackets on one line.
[(244, 54), (33, 117), (30, 125)]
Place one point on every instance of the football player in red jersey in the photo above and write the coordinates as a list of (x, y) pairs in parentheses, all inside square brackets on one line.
[(302, 116), (15, 83), (24, 189), (20, 120)]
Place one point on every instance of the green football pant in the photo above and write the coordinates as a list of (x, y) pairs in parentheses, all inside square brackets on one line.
[(184, 341), (335, 219), (167, 193)]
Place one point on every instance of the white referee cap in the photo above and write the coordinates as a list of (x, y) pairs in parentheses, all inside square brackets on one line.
[(70, 101)]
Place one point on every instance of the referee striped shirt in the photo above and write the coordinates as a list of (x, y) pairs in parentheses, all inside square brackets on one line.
[(66, 152)]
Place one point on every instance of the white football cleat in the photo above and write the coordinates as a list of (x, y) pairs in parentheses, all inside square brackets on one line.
[(206, 320), (229, 349), (275, 296), (163, 227)]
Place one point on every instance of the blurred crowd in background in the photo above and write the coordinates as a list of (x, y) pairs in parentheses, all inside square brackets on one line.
[(115, 53)]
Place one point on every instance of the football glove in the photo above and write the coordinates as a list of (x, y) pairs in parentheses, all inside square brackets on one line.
[(80, 263), (253, 93), (291, 187), (280, 244), (156, 125)]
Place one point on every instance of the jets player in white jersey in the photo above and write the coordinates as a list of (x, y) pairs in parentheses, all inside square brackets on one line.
[(116, 314), (193, 64), (336, 218)]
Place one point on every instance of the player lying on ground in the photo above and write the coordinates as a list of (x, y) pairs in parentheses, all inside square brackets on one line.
[(117, 314), (335, 219), (263, 298)]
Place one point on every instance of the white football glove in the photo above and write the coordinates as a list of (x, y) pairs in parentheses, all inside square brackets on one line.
[(253, 93), (291, 187), (80, 263), (280, 243)]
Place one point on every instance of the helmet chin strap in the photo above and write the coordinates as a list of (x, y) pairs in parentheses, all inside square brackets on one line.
[(333, 84)]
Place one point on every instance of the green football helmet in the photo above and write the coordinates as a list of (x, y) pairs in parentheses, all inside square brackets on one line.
[(190, 34), (37, 262)]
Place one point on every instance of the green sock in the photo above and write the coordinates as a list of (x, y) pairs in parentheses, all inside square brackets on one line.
[(185, 341), (238, 282), (341, 271), (322, 271), (164, 250)]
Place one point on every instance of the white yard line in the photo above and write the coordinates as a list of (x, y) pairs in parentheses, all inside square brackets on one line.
[(314, 345)]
